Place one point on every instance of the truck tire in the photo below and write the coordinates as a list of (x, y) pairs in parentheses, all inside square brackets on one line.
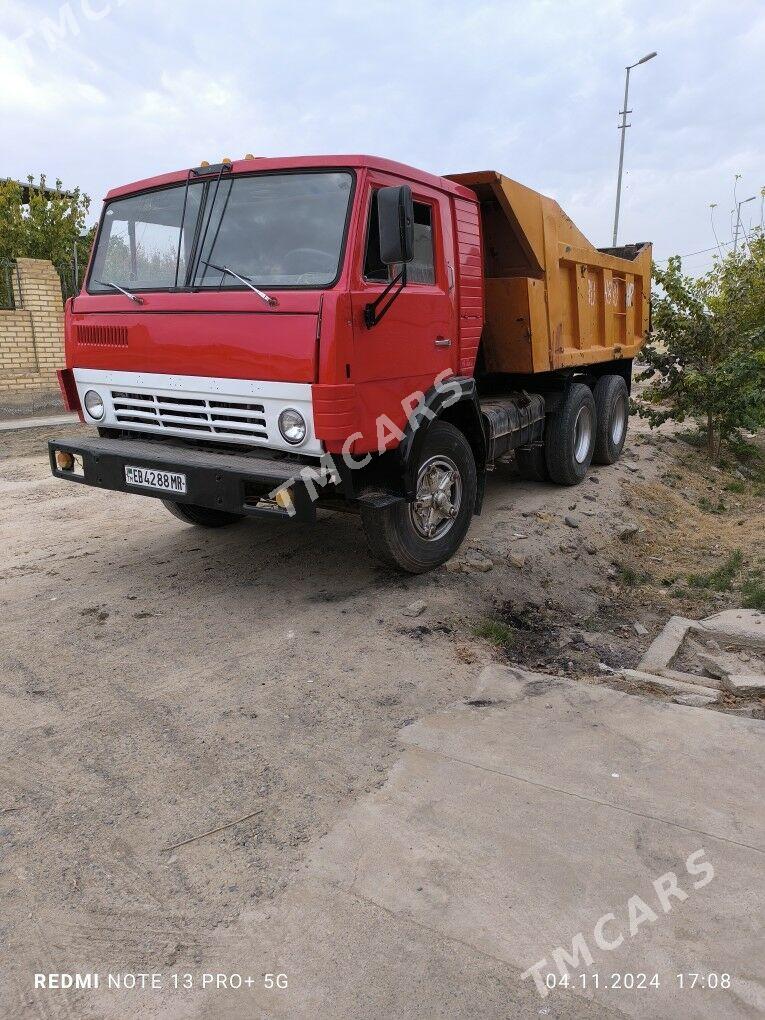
[(570, 438), (531, 464), (612, 403), (421, 535), (190, 513)]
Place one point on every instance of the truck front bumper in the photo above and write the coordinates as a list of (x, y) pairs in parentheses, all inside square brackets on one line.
[(236, 483)]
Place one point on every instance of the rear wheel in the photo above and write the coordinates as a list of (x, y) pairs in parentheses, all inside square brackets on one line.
[(612, 407), (421, 535), (203, 516), (532, 464), (571, 437)]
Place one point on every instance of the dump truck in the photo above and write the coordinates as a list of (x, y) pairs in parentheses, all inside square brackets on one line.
[(266, 338)]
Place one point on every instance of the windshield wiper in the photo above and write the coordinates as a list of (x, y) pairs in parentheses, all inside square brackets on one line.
[(243, 279), (128, 294)]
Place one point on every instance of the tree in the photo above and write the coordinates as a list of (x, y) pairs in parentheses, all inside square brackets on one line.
[(705, 357), (48, 228)]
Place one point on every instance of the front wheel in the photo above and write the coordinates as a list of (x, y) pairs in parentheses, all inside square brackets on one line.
[(203, 516), (425, 533)]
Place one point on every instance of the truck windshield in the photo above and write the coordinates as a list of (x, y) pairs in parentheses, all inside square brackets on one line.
[(277, 230)]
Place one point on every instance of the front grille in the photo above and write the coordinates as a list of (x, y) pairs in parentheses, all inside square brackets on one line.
[(192, 415), (102, 336)]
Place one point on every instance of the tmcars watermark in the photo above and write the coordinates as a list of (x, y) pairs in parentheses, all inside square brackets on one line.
[(609, 931), (416, 411), (55, 29)]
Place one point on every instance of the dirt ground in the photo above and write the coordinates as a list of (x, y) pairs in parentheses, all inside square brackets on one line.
[(161, 681)]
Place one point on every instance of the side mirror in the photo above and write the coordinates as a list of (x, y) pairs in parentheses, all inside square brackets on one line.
[(395, 212)]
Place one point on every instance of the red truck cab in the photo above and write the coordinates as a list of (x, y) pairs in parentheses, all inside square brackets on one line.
[(314, 334), (271, 335)]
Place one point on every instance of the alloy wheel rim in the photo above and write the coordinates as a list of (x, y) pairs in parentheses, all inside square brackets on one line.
[(438, 498)]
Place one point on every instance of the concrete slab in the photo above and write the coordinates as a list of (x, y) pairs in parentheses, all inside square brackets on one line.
[(746, 683), (590, 732), (693, 700), (14, 424), (681, 677), (348, 957), (669, 683), (511, 826), (666, 645), (744, 625), (714, 665)]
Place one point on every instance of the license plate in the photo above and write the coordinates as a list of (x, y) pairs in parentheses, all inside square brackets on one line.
[(151, 478)]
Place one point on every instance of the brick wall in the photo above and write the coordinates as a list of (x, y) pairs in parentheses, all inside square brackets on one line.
[(32, 336)]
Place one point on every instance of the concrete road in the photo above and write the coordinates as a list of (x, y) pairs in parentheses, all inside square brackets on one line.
[(160, 683), (542, 820)]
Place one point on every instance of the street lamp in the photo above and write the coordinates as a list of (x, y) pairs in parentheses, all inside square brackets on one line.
[(738, 219), (623, 128)]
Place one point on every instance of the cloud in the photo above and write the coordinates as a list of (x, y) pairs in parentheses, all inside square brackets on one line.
[(532, 89)]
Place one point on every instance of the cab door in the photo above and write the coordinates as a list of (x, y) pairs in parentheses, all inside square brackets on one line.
[(416, 339)]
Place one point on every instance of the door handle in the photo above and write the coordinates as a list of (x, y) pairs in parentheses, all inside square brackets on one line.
[(442, 341)]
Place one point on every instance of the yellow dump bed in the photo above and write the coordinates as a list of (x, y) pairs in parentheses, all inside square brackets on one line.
[(552, 300)]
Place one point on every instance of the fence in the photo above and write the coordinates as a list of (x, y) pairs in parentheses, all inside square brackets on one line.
[(9, 284), (31, 327), (71, 275)]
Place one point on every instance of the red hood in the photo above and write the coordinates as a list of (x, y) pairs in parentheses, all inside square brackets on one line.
[(221, 334)]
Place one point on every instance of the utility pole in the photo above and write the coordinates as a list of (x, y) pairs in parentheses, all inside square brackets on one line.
[(623, 128)]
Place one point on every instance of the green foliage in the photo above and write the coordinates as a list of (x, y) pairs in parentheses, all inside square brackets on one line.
[(630, 577), (706, 355), (496, 632), (48, 228), (709, 507), (753, 590), (722, 578)]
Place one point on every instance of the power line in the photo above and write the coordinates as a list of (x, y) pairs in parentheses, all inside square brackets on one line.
[(701, 251)]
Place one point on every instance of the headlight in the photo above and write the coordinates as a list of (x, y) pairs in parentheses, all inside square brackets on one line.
[(94, 405), (292, 426)]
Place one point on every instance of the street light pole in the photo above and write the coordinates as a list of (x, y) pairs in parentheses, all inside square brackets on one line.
[(738, 219), (623, 128)]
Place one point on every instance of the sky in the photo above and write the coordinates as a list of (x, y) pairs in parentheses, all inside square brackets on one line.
[(103, 92)]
